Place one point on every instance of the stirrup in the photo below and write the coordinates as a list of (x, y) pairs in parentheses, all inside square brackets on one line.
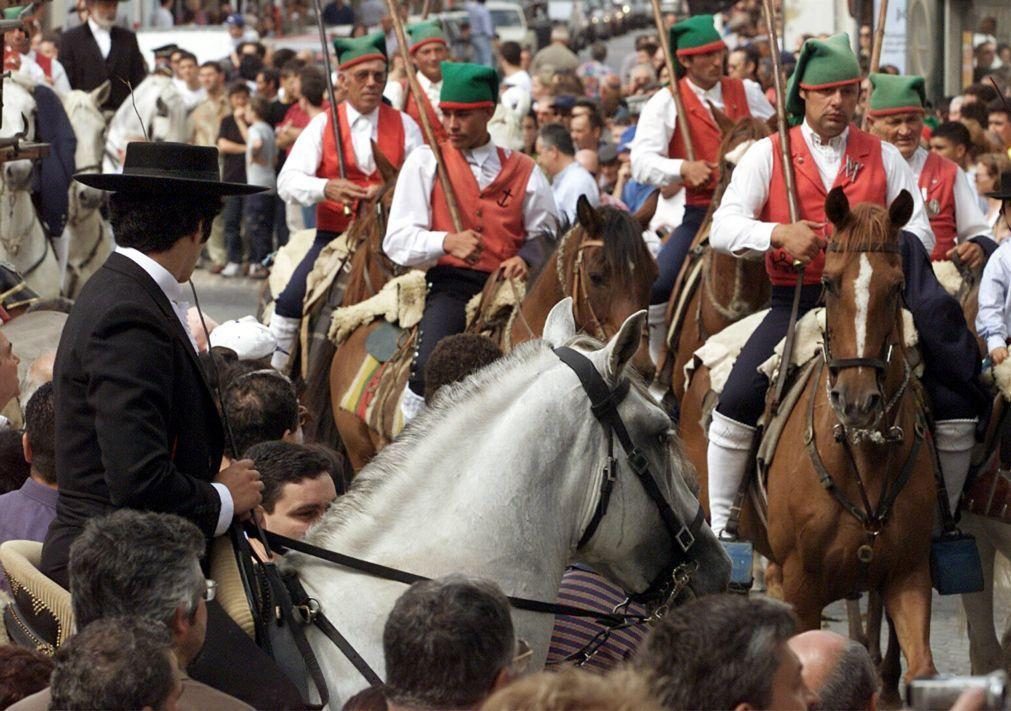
[(741, 554)]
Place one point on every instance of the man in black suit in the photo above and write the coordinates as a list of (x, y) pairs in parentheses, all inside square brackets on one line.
[(98, 50), (136, 423)]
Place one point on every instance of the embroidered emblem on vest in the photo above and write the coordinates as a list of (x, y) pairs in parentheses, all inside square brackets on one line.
[(851, 169), (504, 200)]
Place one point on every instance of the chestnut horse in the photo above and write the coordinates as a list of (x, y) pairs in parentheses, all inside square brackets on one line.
[(841, 519), (729, 288), (602, 262)]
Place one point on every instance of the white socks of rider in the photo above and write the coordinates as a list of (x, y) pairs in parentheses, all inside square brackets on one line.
[(657, 320), (954, 440), (727, 461), (285, 331), (411, 405)]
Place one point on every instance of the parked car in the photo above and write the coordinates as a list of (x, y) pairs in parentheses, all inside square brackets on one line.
[(571, 14), (507, 17)]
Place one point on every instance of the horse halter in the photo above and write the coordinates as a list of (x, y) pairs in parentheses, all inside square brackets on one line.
[(577, 290), (604, 403)]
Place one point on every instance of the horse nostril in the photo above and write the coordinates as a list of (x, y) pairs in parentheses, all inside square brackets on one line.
[(872, 402), (835, 397)]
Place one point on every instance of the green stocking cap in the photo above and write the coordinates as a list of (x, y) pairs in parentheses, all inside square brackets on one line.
[(422, 33), (468, 86), (355, 50), (822, 64), (696, 35), (892, 94), (12, 13)]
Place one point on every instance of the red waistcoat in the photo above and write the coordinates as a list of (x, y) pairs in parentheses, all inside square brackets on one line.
[(706, 135), (496, 212), (863, 181), (937, 186), (330, 215), (411, 109)]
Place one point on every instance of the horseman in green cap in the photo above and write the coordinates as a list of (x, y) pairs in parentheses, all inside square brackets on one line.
[(504, 201), (428, 49), (311, 174), (658, 152), (895, 114), (828, 151)]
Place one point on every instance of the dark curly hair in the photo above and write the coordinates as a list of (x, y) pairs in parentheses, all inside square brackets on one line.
[(153, 223), (456, 357), (23, 672)]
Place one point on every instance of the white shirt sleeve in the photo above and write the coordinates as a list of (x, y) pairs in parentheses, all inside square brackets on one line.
[(653, 133), (569, 186), (969, 219), (412, 134), (540, 214), (409, 240), (991, 321), (757, 103), (394, 91), (900, 177), (736, 228), (297, 181), (61, 85), (227, 512)]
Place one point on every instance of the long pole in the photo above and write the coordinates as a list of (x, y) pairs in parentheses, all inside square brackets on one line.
[(879, 41), (425, 9), (682, 119), (330, 94), (422, 101)]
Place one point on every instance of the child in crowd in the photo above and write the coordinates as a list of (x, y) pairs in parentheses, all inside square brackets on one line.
[(994, 316), (258, 209)]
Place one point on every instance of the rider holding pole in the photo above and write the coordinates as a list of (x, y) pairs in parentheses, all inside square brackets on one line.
[(428, 50), (662, 155), (828, 151), (335, 177)]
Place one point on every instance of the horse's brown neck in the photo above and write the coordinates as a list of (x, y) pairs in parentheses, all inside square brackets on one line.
[(734, 288)]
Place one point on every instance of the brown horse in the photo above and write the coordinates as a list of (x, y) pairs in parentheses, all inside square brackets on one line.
[(728, 288), (601, 262), (842, 519)]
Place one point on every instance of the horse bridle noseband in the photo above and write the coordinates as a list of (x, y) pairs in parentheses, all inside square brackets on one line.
[(577, 290), (604, 402)]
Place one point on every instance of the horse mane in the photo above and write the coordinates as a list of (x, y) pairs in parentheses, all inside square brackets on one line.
[(623, 243), (867, 228)]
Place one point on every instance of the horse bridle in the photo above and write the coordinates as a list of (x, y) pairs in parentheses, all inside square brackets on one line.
[(604, 402), (577, 289)]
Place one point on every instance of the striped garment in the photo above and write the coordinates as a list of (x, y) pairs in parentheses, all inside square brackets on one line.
[(584, 588)]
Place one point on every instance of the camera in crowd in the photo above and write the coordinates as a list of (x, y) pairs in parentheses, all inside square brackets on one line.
[(941, 693)]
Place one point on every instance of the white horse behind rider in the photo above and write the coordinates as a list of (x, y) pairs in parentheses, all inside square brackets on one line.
[(499, 479), (88, 236), (22, 237), (155, 112)]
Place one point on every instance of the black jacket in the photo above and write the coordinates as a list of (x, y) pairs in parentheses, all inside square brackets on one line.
[(86, 69), (136, 425)]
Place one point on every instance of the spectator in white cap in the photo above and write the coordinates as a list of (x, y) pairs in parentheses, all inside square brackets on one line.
[(246, 337)]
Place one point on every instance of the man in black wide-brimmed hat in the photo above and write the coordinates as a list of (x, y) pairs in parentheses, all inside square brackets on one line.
[(136, 423)]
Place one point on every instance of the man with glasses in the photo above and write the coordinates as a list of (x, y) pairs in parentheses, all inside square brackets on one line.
[(311, 175), (148, 565)]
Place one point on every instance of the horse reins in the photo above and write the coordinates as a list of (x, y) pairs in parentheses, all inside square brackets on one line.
[(577, 289)]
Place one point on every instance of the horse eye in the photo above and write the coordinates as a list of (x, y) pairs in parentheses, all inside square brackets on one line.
[(829, 284), (597, 278)]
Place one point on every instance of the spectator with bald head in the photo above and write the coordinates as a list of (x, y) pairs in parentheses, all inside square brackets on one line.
[(838, 670)]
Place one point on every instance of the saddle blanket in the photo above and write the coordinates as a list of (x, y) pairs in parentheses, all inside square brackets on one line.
[(401, 300), (719, 353), (948, 276)]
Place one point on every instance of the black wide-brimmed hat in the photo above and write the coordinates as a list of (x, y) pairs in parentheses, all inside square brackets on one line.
[(170, 167), (1003, 191)]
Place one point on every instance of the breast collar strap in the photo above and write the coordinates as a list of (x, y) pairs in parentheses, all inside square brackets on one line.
[(604, 403)]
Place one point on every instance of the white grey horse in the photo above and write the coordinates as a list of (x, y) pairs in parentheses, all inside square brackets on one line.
[(154, 112), (87, 236), (22, 236), (499, 479)]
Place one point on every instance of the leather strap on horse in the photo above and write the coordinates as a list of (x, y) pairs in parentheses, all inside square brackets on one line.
[(791, 337)]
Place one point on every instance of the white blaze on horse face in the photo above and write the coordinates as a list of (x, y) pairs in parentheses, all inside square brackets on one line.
[(862, 297)]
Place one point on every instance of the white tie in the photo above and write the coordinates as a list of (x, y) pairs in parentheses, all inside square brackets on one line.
[(361, 138)]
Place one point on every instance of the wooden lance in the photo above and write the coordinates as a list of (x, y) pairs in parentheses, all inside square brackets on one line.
[(879, 41), (791, 198), (328, 67), (425, 8), (682, 119), (426, 127)]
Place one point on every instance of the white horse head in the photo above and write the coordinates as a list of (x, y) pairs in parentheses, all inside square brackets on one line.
[(19, 109), (154, 112), (500, 479), (85, 113)]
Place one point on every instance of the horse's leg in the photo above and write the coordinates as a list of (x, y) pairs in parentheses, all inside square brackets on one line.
[(875, 614), (356, 438), (801, 592), (985, 653), (891, 670), (853, 618), (907, 601), (774, 580)]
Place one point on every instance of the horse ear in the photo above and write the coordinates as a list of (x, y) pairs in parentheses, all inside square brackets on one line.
[(623, 346), (837, 207), (560, 326), (101, 94), (901, 209), (587, 216), (646, 211)]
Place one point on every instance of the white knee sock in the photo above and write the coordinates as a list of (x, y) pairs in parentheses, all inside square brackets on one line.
[(411, 405), (285, 331), (727, 459), (955, 440), (657, 320)]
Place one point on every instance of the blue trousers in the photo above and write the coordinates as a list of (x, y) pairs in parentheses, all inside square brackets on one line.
[(482, 50), (231, 216), (258, 215), (289, 301), (672, 254)]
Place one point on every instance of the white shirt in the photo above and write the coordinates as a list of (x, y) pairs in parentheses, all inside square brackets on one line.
[(102, 38), (191, 97), (571, 182), (61, 85), (736, 228), (162, 18), (994, 316), (411, 242), (657, 123), (173, 291), (969, 219), (297, 181), (519, 79), (397, 93)]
